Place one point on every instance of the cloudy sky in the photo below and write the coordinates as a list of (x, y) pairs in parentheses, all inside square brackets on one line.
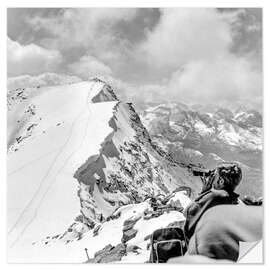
[(188, 54)]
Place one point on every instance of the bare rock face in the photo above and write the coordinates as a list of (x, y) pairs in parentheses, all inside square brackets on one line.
[(128, 231), (128, 168), (129, 234), (109, 254), (128, 227), (131, 221), (133, 248), (96, 230), (106, 94), (112, 158)]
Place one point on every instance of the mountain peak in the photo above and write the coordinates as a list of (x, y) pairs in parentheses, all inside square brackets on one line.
[(105, 93), (83, 155)]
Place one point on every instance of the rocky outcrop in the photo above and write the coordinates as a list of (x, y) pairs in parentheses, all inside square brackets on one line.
[(105, 147), (128, 231), (105, 94), (161, 210), (109, 254), (128, 235), (133, 248), (132, 226), (96, 230), (128, 168)]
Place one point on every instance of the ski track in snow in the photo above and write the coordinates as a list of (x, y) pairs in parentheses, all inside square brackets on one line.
[(38, 193), (33, 161)]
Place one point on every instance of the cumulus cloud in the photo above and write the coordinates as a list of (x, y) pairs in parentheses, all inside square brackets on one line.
[(224, 79), (31, 59), (86, 31), (45, 79), (194, 47), (228, 82), (82, 27), (89, 66), (186, 34), (196, 54)]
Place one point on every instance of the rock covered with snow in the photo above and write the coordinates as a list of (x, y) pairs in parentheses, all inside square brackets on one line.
[(105, 94), (127, 169), (137, 227), (109, 254), (80, 163)]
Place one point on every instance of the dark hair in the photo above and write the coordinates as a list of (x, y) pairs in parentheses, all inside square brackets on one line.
[(232, 176)]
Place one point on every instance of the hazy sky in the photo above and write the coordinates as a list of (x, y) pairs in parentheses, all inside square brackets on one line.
[(186, 54)]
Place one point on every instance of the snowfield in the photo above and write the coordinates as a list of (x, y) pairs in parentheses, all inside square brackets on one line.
[(42, 193), (54, 131), (109, 233)]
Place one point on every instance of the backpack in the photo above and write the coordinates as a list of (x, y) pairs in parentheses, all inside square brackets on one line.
[(167, 243)]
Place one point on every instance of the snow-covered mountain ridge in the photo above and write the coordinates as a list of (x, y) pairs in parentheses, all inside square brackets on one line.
[(76, 154)]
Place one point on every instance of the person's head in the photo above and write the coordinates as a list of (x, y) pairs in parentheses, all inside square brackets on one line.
[(227, 176)]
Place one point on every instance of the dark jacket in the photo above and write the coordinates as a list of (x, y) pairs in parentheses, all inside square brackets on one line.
[(206, 200)]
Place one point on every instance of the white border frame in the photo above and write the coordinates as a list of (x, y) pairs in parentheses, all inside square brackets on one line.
[(131, 3)]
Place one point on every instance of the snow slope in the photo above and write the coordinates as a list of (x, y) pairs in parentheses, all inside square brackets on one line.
[(41, 189), (75, 155), (110, 232)]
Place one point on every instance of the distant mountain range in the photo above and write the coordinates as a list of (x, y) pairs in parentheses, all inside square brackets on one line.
[(207, 135)]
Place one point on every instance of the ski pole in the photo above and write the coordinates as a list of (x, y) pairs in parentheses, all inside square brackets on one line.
[(87, 253)]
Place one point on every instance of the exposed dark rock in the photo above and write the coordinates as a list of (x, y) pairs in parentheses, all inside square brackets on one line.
[(128, 227), (96, 230), (133, 248), (115, 255), (109, 254), (159, 207), (112, 217), (106, 93), (131, 156), (131, 220), (19, 139), (110, 201), (31, 126), (103, 251), (127, 235), (128, 231), (116, 216)]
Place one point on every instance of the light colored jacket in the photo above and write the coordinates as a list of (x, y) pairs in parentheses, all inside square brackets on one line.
[(220, 229)]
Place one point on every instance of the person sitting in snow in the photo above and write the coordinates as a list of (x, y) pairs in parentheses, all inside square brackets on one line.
[(223, 182)]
